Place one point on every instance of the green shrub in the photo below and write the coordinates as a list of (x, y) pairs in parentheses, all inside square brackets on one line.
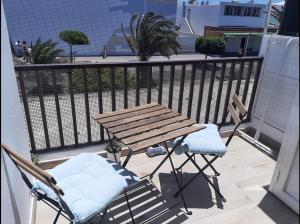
[(92, 80), (210, 45)]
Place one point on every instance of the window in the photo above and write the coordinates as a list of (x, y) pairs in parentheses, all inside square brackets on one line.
[(230, 10)]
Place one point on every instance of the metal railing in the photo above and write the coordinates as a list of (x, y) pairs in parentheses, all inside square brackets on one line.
[(59, 99)]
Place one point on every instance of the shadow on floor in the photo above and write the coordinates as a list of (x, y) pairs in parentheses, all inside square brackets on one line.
[(197, 195), (277, 210), (148, 206)]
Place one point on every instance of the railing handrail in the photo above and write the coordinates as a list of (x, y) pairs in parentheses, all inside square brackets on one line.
[(34, 67)]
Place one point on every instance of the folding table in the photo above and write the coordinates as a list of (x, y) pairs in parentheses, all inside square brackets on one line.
[(143, 126)]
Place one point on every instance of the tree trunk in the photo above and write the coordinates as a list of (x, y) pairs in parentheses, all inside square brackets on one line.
[(206, 56), (71, 54)]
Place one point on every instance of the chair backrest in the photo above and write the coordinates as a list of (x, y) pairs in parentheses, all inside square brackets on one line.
[(32, 169), (237, 109)]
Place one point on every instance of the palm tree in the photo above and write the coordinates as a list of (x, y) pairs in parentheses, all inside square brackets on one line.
[(151, 34), (43, 52), (277, 12)]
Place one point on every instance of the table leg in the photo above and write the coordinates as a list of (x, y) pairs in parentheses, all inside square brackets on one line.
[(166, 158), (111, 144), (127, 157)]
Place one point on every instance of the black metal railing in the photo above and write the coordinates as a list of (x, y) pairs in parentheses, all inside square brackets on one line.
[(59, 99)]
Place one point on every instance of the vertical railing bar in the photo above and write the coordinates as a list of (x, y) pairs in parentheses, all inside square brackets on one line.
[(182, 79), (229, 85), (43, 112), (27, 112), (137, 93), (149, 78), (73, 106), (200, 94), (160, 83), (171, 86), (191, 93), (125, 88), (113, 89), (100, 103), (246, 86), (238, 84), (256, 78), (210, 90), (60, 128), (87, 106), (219, 93)]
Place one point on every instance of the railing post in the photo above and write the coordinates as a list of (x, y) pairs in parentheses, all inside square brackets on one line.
[(189, 110), (182, 79), (42, 105), (87, 106), (210, 90), (100, 103), (254, 88), (160, 84), (73, 106), (125, 81), (113, 89), (247, 82), (216, 115), (60, 128), (149, 80), (229, 84), (137, 91), (170, 101), (200, 94), (27, 112)]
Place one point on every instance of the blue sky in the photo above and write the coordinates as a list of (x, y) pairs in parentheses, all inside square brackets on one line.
[(242, 1)]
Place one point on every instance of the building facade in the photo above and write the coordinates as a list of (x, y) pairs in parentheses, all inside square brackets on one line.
[(241, 24), (99, 19)]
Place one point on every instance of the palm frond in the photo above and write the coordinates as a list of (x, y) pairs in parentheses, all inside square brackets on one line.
[(151, 34)]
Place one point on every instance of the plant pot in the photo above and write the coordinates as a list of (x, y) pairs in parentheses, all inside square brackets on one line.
[(111, 157)]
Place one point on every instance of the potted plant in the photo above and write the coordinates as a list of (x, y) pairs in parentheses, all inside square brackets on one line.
[(113, 150)]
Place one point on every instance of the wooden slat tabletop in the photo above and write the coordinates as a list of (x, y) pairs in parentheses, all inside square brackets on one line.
[(147, 125)]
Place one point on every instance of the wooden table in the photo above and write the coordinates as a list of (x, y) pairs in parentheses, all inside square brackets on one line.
[(143, 126)]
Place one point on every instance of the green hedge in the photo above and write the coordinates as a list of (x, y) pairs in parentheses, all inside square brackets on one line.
[(92, 80), (210, 45)]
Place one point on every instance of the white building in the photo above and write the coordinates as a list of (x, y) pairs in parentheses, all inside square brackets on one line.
[(241, 24)]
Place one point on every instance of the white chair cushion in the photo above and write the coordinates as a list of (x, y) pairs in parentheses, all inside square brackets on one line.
[(90, 183), (205, 141)]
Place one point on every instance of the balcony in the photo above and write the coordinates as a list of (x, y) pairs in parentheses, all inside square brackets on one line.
[(59, 99)]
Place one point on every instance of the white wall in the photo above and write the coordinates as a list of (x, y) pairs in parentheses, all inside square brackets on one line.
[(242, 20), (279, 82), (205, 15), (213, 15), (15, 205)]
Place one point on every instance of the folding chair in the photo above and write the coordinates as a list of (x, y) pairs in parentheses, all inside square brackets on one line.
[(78, 189), (208, 142)]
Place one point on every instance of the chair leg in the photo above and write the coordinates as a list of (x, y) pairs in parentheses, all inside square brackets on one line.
[(204, 175), (211, 166), (57, 216), (177, 181), (103, 215), (129, 208), (185, 162)]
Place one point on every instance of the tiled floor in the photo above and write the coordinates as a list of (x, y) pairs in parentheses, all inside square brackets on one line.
[(245, 175)]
